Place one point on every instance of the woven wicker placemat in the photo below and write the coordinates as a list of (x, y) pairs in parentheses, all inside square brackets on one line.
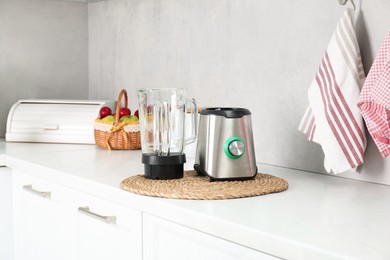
[(194, 187)]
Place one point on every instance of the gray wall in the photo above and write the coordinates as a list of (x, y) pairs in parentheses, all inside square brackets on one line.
[(43, 51), (252, 53)]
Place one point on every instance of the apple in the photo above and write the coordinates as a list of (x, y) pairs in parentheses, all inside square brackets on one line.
[(124, 111), (129, 119), (109, 119), (104, 111), (136, 113)]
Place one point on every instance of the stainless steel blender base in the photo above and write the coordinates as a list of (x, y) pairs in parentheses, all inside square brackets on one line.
[(225, 149), (201, 171)]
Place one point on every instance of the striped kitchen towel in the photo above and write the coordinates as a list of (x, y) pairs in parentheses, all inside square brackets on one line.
[(332, 118), (374, 100)]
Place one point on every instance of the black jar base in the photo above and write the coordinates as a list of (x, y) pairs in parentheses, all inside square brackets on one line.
[(163, 167)]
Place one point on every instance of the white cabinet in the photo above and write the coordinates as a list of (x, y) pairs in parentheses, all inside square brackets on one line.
[(55, 222), (43, 222), (107, 230), (164, 240), (6, 236), (52, 221)]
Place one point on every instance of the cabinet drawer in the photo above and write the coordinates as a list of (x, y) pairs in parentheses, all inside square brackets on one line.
[(108, 230), (38, 187), (101, 209), (6, 216), (166, 240), (56, 222), (43, 219)]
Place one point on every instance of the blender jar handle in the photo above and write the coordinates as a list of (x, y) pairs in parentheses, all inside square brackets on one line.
[(194, 119)]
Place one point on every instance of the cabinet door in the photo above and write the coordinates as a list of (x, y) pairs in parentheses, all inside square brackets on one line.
[(108, 231), (6, 226), (168, 241), (44, 223)]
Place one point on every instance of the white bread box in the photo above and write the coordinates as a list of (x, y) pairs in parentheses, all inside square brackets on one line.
[(54, 121)]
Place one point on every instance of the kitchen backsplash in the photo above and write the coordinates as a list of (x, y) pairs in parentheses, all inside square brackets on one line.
[(43, 52), (261, 55)]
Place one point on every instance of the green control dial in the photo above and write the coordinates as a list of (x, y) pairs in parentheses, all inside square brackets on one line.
[(234, 147)]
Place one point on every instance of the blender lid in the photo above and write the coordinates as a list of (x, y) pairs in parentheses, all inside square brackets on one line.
[(228, 112)]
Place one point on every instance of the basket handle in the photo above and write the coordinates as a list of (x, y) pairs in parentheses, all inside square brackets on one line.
[(123, 93)]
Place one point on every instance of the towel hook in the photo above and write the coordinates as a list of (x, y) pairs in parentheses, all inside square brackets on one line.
[(343, 2)]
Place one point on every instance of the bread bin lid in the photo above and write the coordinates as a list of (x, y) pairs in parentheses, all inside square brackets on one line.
[(54, 121)]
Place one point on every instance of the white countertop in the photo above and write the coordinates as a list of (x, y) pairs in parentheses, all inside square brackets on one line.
[(318, 217)]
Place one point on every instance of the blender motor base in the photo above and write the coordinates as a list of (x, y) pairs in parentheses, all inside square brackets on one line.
[(201, 171)]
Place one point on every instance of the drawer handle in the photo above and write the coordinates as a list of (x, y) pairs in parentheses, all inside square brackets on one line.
[(107, 219), (51, 127), (43, 194)]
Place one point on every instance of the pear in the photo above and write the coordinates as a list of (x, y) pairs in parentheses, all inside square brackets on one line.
[(109, 119), (129, 119)]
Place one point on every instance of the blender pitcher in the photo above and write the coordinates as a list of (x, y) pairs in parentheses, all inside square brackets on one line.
[(163, 123)]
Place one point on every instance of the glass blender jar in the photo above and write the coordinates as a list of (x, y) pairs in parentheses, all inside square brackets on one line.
[(163, 122)]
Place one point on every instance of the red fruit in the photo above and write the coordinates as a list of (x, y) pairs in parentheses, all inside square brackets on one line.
[(104, 111), (136, 113), (124, 111)]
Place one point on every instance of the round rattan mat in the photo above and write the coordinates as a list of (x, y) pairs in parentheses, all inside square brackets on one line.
[(194, 187)]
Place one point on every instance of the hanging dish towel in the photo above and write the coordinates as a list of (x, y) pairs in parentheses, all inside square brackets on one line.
[(374, 100), (332, 118)]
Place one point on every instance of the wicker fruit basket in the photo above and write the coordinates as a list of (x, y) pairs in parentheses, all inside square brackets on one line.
[(117, 135)]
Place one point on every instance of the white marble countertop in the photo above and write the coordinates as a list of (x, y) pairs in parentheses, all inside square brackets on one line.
[(318, 217)]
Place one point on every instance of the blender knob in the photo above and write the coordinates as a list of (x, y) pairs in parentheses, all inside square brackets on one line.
[(234, 147)]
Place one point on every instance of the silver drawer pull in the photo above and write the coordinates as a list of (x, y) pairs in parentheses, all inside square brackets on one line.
[(51, 127), (107, 219), (43, 194)]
